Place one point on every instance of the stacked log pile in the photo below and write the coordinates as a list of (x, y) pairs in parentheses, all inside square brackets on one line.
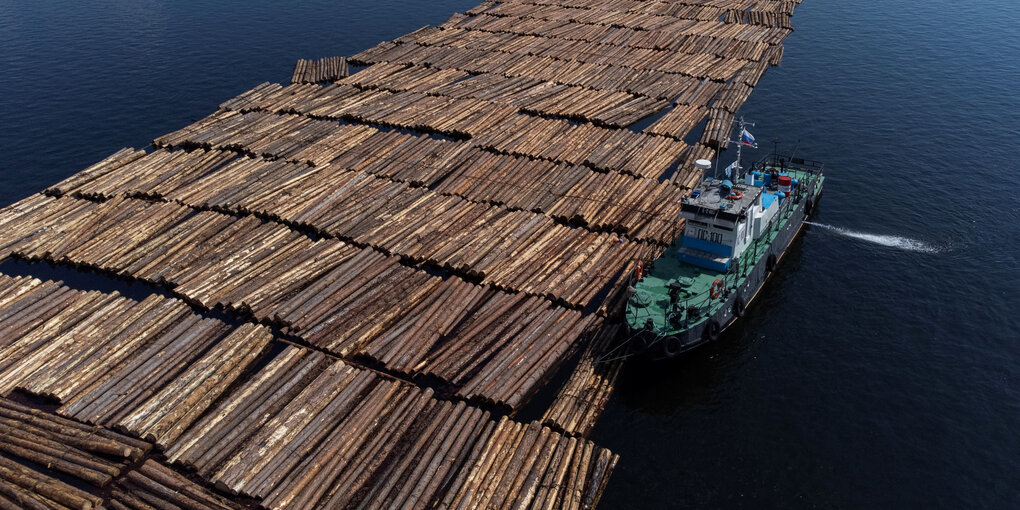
[(403, 78), (93, 454), (640, 50), (222, 180), (676, 36), (150, 367), (517, 182), (346, 300), (582, 14), (646, 83), (600, 9), (394, 155), (603, 107), (107, 165), (309, 432), (521, 465), (42, 444), (148, 176), (678, 122), (21, 488), (155, 486), (638, 208), (495, 352), (585, 395), (305, 431), (603, 202), (720, 126), (489, 36), (603, 149), (323, 69), (462, 236), (164, 416), (460, 118)]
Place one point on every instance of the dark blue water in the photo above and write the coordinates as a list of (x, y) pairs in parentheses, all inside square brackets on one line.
[(880, 369)]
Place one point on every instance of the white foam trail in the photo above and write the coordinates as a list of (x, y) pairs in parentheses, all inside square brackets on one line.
[(902, 243)]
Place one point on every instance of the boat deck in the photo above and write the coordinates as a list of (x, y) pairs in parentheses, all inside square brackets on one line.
[(653, 289)]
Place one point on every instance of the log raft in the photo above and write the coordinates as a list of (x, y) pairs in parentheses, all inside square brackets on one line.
[(323, 69), (460, 215), (36, 447), (306, 430), (586, 393)]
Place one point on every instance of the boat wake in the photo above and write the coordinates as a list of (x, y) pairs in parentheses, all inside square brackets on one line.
[(902, 243)]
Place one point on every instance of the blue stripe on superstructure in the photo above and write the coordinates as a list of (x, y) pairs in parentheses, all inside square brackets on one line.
[(701, 244), (710, 264)]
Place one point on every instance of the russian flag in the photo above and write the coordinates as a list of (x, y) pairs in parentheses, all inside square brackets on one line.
[(747, 138)]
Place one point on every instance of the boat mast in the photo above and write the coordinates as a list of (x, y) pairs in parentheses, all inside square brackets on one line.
[(740, 144)]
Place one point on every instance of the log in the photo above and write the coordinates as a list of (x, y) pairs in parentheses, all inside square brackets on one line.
[(47, 487)]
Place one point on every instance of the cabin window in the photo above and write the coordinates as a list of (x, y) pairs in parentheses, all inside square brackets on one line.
[(716, 237)]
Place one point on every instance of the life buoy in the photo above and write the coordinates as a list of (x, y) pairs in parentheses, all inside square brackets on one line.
[(738, 306), (671, 346), (736, 195), (711, 331), (717, 287), (639, 270)]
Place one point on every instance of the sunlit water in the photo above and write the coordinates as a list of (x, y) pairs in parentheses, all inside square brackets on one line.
[(878, 369)]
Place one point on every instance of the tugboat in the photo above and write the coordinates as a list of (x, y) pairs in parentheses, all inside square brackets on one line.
[(737, 230)]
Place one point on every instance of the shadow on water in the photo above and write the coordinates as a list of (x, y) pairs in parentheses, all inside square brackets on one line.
[(704, 376)]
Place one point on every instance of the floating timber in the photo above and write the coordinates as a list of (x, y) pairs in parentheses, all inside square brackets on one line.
[(406, 254), (306, 430), (154, 485), (92, 455), (324, 69), (586, 393)]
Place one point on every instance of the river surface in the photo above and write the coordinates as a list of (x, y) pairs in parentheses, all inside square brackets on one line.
[(878, 370)]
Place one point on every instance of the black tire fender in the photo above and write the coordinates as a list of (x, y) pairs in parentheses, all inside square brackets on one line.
[(770, 263), (711, 331), (738, 306), (671, 346)]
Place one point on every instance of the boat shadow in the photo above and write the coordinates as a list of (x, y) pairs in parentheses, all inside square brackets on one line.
[(710, 374)]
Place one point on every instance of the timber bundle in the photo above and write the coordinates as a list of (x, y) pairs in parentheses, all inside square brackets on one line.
[(586, 393), (333, 295), (154, 486), (306, 430), (93, 455), (406, 254), (315, 71)]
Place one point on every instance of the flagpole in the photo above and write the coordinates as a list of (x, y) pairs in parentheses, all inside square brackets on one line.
[(740, 145)]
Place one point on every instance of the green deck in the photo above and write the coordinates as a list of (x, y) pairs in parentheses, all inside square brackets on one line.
[(653, 290)]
